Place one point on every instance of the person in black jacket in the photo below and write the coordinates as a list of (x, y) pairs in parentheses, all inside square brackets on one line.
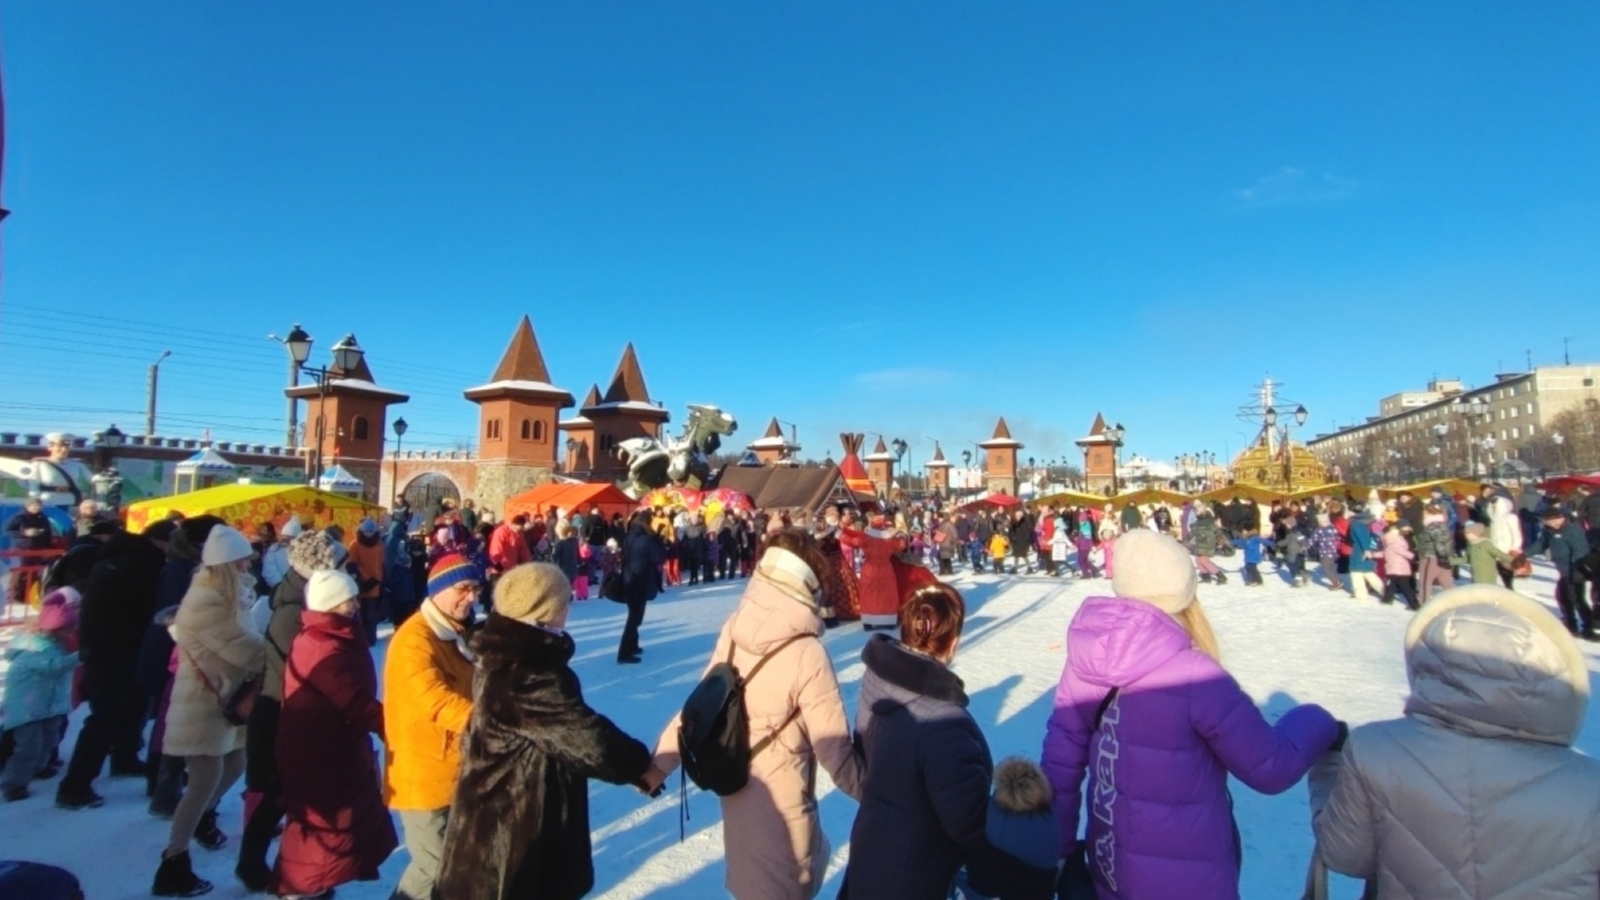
[(119, 600), (642, 557), (519, 825), (925, 799), (1565, 540)]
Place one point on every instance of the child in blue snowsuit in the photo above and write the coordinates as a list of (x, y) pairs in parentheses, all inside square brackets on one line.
[(1254, 546)]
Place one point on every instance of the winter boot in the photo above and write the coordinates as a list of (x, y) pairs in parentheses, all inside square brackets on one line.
[(176, 878), (1205, 577), (1222, 578), (86, 799), (207, 834)]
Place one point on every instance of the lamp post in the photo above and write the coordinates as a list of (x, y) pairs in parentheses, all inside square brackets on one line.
[(150, 395), (1471, 412), (347, 356), (899, 446), (1115, 433), (966, 467), (1488, 449), (400, 427), (1558, 439)]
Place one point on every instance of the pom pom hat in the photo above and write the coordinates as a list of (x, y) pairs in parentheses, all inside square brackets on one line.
[(451, 569), (1154, 568)]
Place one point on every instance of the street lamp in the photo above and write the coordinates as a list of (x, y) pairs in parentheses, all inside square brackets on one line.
[(400, 427), (150, 395), (1115, 433), (1488, 449), (347, 355), (1558, 439)]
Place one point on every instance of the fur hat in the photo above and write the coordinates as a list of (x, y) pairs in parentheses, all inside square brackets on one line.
[(310, 552), (534, 593), (1154, 568), (225, 545), (329, 588), (1019, 787), (59, 609)]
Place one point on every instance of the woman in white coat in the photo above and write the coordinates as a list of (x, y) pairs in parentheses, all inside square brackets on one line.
[(1505, 529), (1476, 793), (217, 652)]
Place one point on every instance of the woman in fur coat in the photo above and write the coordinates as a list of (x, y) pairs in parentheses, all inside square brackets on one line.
[(519, 825)]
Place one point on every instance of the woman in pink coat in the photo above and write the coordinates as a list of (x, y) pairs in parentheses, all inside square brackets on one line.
[(1397, 565)]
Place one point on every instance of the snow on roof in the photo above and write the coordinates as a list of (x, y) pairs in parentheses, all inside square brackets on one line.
[(358, 385), (770, 443), (207, 460), (633, 405), (338, 478), (575, 422), (514, 384)]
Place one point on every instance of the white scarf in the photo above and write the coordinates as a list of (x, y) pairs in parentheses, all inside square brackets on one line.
[(444, 628)]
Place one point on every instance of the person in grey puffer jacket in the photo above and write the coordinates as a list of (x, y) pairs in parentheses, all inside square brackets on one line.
[(1476, 793)]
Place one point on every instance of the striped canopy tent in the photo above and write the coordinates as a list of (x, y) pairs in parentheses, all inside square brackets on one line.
[(1143, 496), (1451, 487), (203, 470), (1248, 491), (244, 506)]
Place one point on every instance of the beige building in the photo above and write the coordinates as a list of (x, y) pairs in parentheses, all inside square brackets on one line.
[(1448, 430)]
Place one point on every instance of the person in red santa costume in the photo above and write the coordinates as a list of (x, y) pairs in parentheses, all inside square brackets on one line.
[(880, 582)]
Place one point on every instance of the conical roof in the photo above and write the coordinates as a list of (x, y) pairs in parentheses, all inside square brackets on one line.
[(938, 461), (855, 474), (880, 453), (1002, 436), (522, 372), (580, 420), (772, 439), (1097, 433), (593, 397), (627, 385)]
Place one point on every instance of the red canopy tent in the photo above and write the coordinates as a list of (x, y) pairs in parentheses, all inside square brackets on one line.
[(1564, 484), (1000, 500), (538, 500)]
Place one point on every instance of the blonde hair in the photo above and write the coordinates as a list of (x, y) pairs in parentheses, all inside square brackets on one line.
[(224, 579), (1019, 787), (1193, 619)]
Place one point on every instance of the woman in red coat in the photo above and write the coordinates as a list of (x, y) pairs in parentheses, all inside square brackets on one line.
[(880, 588), (338, 828)]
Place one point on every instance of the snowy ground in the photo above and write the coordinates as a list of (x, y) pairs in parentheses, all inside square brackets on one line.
[(1285, 645)]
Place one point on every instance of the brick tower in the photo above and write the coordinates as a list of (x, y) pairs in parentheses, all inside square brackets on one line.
[(1099, 458), (938, 472), (349, 422), (517, 412), (626, 411), (880, 468), (1000, 462), (773, 447), (579, 431)]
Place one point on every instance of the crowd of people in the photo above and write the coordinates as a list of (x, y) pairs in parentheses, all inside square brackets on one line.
[(251, 657)]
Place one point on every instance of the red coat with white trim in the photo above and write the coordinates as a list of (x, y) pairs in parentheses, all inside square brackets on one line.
[(880, 588)]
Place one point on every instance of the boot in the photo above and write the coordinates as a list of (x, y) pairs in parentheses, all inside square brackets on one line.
[(1205, 577), (1222, 578), (207, 834), (176, 878)]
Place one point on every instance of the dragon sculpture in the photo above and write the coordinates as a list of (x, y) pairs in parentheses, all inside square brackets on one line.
[(654, 464)]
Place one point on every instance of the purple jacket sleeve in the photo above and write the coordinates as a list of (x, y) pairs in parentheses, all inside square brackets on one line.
[(1268, 758), (1066, 758)]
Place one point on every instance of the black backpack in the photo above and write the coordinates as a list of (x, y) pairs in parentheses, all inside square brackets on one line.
[(714, 729)]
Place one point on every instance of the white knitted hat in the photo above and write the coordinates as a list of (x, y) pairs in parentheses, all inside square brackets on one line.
[(329, 588), (1154, 568)]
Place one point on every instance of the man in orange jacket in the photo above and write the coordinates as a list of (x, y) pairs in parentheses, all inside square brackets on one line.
[(366, 561)]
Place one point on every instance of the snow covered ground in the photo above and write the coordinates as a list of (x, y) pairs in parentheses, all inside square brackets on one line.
[(1285, 645)]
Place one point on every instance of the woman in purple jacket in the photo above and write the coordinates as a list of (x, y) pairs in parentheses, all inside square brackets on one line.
[(1146, 707)]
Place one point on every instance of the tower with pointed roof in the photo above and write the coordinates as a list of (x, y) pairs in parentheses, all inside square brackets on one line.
[(1099, 458), (349, 420), (1000, 462), (880, 468), (579, 434), (517, 413), (624, 412), (938, 472), (773, 447)]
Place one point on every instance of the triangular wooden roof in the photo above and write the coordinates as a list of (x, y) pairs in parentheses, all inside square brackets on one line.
[(593, 397), (361, 371), (1000, 431), (773, 429), (938, 460), (883, 448), (627, 385), (1099, 425), (522, 361)]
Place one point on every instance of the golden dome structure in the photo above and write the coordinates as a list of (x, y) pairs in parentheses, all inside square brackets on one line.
[(1273, 461)]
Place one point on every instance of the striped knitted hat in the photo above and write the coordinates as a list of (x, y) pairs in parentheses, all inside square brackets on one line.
[(451, 569)]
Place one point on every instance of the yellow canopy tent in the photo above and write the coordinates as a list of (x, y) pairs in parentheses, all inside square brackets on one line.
[(1075, 498), (1336, 490), (1451, 486), (1150, 495), (1247, 491), (244, 506)]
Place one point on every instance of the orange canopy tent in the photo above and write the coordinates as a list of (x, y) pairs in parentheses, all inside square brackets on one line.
[(579, 498)]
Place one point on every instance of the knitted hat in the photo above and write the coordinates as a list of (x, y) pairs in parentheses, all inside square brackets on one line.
[(1475, 528), (329, 588), (534, 593), (292, 528), (310, 552), (450, 570), (59, 609), (368, 525), (1154, 568), (225, 545)]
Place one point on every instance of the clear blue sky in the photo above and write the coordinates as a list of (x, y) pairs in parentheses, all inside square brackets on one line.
[(897, 217)]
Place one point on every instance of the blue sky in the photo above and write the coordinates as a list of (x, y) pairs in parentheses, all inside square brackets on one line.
[(906, 218)]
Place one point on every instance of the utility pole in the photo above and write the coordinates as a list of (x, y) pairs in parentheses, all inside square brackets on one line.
[(150, 395), (1566, 351)]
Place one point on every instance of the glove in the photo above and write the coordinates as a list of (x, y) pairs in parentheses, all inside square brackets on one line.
[(1074, 882)]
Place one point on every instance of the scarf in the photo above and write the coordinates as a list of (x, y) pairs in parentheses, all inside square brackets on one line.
[(444, 628)]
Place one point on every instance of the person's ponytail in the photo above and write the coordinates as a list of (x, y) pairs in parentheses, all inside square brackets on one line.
[(1193, 619)]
